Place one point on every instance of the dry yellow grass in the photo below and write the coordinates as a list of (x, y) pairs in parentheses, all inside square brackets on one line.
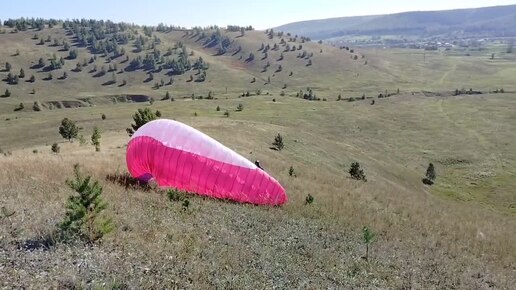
[(423, 240)]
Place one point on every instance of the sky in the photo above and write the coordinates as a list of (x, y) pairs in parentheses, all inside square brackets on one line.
[(261, 14)]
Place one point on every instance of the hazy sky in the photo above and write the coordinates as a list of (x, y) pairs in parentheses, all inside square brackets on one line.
[(259, 13)]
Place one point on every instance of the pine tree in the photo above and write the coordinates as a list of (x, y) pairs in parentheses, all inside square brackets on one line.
[(55, 148), (430, 174), (291, 171), (84, 219), (278, 142), (95, 138), (368, 237), (356, 172), (141, 117), (68, 129), (22, 73)]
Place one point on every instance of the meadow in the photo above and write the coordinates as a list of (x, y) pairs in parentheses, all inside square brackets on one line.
[(457, 233)]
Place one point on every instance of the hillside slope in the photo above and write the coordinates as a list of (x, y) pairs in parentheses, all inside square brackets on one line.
[(278, 63), (478, 22)]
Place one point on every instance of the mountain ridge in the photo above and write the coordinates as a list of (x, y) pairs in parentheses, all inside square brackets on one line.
[(486, 21)]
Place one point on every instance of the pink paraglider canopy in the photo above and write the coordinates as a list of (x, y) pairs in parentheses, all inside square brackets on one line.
[(179, 156)]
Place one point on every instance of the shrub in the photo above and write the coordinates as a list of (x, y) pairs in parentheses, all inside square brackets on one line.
[(240, 107), (430, 175), (291, 171), (218, 109), (103, 116), (309, 199), (55, 148), (226, 113), (185, 204), (36, 107), (278, 142), (81, 139), (175, 195), (356, 172), (20, 107), (84, 218)]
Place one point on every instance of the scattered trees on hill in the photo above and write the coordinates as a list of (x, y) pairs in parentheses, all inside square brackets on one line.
[(141, 117), (12, 79), (235, 28), (36, 107), (72, 54), (41, 62), (19, 108), (68, 129)]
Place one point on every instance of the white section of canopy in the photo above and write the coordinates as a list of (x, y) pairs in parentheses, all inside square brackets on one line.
[(180, 136)]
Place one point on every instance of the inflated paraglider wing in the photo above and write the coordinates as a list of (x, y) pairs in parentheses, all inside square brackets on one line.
[(179, 156)]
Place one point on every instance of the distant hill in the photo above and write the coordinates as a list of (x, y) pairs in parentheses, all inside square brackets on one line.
[(498, 21)]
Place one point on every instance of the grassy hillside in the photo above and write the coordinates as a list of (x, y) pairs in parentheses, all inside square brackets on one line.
[(477, 22), (457, 233)]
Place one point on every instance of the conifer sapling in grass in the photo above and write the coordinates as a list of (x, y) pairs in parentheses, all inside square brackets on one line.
[(356, 172), (278, 142), (55, 148), (84, 219), (309, 199), (430, 174), (368, 237), (291, 171), (95, 139)]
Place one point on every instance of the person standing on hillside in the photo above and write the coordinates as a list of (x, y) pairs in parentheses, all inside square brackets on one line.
[(257, 163)]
